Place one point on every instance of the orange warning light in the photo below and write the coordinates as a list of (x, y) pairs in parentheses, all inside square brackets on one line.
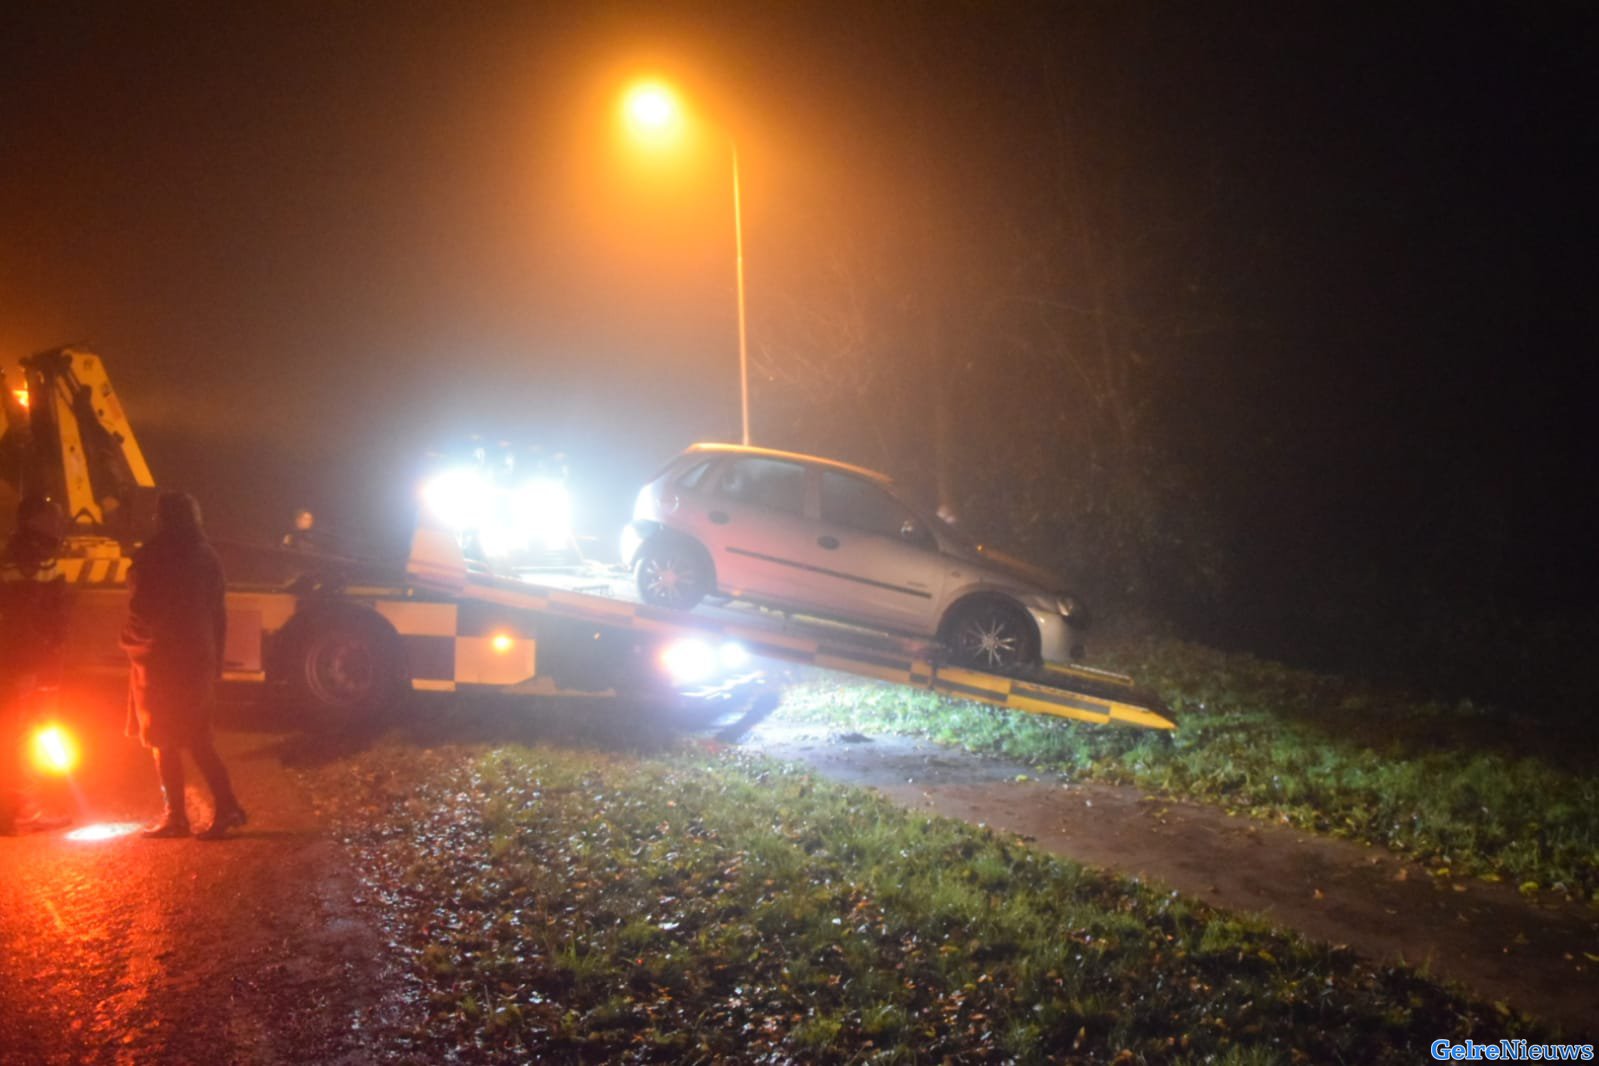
[(54, 750)]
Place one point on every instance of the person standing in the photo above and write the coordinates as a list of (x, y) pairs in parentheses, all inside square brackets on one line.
[(174, 637), (32, 639)]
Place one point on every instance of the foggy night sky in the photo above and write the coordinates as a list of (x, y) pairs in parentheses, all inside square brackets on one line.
[(313, 240)]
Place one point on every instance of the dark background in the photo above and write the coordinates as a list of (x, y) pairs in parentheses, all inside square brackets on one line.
[(1273, 321)]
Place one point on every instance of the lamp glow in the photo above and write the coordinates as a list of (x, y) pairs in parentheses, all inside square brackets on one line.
[(652, 109), (655, 117)]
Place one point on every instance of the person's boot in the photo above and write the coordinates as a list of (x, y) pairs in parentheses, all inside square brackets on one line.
[(229, 817), (172, 824)]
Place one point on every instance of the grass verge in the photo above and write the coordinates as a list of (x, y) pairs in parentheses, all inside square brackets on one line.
[(1459, 787), (572, 905)]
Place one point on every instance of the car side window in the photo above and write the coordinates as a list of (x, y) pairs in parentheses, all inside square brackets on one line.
[(769, 483), (850, 501), (694, 475)]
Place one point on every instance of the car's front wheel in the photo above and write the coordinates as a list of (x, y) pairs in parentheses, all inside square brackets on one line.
[(992, 634), (673, 573)]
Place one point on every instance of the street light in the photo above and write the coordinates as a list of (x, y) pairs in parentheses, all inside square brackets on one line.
[(655, 116)]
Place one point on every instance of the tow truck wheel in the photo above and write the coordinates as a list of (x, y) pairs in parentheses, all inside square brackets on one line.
[(346, 669), (992, 635), (673, 573)]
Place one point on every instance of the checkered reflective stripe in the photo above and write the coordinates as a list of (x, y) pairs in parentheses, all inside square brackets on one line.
[(92, 571)]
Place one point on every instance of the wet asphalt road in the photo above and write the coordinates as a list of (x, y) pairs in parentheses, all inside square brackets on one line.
[(127, 950)]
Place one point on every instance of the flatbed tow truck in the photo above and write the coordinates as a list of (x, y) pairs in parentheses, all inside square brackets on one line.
[(347, 636)]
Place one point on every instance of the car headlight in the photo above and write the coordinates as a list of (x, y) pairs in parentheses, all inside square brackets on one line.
[(691, 660), (1072, 608)]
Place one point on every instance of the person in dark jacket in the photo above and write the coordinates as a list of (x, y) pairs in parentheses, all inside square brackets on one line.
[(32, 637), (174, 637)]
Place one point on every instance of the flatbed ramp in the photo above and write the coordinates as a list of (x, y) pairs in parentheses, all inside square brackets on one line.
[(603, 597)]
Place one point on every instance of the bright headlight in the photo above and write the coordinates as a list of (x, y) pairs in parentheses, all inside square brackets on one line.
[(460, 498), (542, 510), (692, 660), (689, 661), (733, 656)]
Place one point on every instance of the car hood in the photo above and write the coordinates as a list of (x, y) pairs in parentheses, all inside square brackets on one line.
[(1009, 566)]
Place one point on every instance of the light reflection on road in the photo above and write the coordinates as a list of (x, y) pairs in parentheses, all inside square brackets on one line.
[(93, 834), (118, 949)]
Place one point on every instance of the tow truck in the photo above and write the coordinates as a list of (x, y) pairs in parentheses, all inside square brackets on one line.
[(348, 635)]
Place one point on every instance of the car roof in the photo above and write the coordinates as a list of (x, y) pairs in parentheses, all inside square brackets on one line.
[(710, 448)]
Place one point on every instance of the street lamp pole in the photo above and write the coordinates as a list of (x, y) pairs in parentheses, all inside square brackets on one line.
[(652, 109), (743, 340)]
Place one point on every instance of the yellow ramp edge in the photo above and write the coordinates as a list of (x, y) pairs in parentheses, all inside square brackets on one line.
[(1057, 710), (865, 669), (1141, 716), (974, 680)]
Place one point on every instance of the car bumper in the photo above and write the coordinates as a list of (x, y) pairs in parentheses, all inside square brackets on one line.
[(1059, 640)]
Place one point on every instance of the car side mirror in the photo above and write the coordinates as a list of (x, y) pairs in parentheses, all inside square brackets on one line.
[(912, 532)]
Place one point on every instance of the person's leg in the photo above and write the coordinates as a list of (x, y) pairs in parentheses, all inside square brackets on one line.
[(169, 767), (216, 777), (229, 815), (16, 799), (11, 796)]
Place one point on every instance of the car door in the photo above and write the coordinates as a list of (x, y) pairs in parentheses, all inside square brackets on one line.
[(870, 558), (753, 518)]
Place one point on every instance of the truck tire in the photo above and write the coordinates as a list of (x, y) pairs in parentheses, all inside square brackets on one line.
[(344, 669)]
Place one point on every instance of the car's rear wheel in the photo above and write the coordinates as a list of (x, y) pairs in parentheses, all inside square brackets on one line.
[(673, 573), (992, 634)]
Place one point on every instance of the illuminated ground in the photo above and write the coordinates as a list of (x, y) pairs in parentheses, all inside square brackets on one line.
[(133, 950), (265, 948)]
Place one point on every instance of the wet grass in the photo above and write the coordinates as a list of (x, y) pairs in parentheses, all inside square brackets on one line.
[(568, 904), (1462, 788)]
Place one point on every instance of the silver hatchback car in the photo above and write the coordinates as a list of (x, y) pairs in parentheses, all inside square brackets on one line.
[(803, 533)]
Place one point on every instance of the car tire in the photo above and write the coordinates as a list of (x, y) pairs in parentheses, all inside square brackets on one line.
[(673, 572), (992, 634)]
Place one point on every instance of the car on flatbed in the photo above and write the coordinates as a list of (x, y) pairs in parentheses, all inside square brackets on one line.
[(804, 533)]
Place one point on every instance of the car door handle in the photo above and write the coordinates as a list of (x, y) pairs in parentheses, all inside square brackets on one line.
[(719, 517), (828, 542)]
